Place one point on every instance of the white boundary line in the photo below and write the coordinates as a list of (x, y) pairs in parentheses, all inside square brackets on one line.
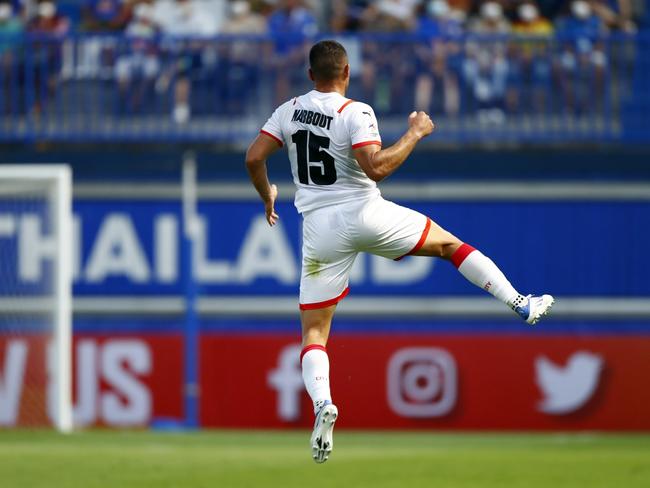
[(362, 307), (435, 191)]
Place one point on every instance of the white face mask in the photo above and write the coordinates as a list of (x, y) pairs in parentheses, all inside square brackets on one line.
[(438, 8), (46, 10), (491, 11), (5, 11), (581, 9), (239, 8), (142, 11), (528, 12)]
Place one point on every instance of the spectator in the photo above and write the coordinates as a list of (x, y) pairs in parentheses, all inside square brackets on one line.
[(137, 68), (10, 25), (243, 20), (188, 21), (387, 66), (581, 31), (490, 19), (530, 64), (616, 14), (188, 18), (46, 50), (291, 26), (11, 28), (486, 67), (348, 15), (530, 21), (48, 21), (434, 55), (437, 20), (95, 54), (582, 22), (391, 15), (459, 9), (582, 61), (239, 70), (106, 15)]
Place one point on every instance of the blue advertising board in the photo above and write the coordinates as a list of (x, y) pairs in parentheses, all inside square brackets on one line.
[(132, 248)]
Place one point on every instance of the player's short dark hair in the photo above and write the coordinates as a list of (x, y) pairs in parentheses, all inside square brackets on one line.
[(327, 60)]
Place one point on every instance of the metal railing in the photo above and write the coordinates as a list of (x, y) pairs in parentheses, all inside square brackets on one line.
[(498, 89)]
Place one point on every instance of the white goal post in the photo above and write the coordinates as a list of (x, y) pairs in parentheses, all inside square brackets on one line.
[(36, 296)]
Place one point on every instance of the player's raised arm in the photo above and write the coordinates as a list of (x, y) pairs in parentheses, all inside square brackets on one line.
[(258, 152), (378, 163)]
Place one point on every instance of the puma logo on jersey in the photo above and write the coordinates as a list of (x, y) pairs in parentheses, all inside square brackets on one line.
[(313, 118), (367, 113)]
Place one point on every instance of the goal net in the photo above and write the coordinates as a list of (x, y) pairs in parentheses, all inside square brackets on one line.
[(35, 296)]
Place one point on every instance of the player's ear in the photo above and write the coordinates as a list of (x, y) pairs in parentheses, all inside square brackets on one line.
[(311, 75), (346, 71)]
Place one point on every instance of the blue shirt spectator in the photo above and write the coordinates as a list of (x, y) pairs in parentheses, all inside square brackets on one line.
[(291, 24), (437, 22), (105, 10), (583, 27), (590, 27), (10, 28), (106, 15)]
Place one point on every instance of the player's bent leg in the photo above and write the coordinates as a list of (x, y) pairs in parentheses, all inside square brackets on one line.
[(316, 325), (484, 273), (439, 243)]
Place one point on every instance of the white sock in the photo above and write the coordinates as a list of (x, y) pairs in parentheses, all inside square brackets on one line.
[(316, 374), (481, 270)]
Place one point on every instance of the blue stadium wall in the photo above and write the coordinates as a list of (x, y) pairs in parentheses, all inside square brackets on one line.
[(434, 351)]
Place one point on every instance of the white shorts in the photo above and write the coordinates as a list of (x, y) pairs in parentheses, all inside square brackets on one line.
[(335, 234)]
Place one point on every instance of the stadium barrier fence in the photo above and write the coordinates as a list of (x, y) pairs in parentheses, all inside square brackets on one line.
[(503, 89)]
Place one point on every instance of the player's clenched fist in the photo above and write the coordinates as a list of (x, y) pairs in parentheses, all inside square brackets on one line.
[(421, 124)]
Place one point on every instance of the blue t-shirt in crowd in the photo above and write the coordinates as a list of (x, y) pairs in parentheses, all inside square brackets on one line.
[(290, 27), (428, 27)]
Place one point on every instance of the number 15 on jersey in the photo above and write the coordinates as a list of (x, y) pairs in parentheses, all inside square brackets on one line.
[(310, 148)]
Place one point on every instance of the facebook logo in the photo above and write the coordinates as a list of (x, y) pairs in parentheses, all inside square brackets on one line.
[(286, 380)]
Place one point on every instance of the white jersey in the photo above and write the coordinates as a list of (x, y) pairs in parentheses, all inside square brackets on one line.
[(320, 131)]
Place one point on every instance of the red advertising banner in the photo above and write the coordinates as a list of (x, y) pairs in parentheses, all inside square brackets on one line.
[(450, 382), (381, 381), (119, 381)]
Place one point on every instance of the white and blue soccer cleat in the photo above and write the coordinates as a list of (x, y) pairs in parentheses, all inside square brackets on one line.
[(322, 439), (532, 308)]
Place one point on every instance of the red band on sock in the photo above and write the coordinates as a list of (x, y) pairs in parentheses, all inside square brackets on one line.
[(461, 253), (310, 347)]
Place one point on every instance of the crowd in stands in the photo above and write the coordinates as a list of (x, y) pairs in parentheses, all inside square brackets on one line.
[(438, 64), (211, 17)]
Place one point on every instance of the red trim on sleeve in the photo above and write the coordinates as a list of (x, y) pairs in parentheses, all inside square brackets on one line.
[(345, 105), (365, 143), (326, 303), (461, 253), (420, 243), (279, 141), (311, 347)]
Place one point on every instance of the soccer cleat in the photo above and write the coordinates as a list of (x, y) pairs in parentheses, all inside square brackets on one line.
[(532, 308), (322, 439)]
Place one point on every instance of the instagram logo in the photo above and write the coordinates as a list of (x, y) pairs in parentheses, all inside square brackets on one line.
[(422, 382)]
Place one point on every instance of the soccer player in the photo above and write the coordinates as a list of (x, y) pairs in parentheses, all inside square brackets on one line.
[(336, 160)]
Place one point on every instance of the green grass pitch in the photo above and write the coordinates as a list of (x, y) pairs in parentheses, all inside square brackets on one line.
[(232, 459)]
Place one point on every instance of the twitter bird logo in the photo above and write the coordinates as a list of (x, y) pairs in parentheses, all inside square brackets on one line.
[(568, 388)]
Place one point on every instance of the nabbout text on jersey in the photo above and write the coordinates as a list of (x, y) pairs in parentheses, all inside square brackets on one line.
[(313, 118)]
